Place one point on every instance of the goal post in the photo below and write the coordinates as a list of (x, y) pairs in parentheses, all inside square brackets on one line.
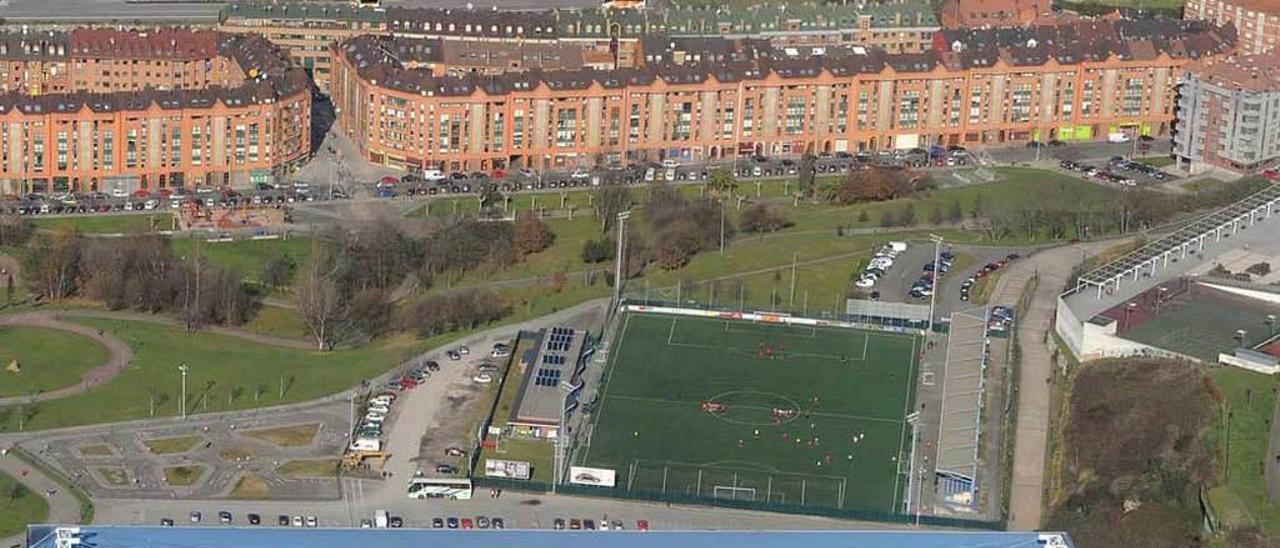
[(733, 493)]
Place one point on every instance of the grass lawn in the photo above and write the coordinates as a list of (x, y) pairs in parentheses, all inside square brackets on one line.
[(108, 224), (247, 256), (1202, 185), (19, 507), (1157, 161), (182, 476), (845, 394), (1250, 399), (226, 373), (286, 436), (317, 468), (113, 476), (96, 450), (50, 359), (279, 322), (235, 454), (168, 446), (538, 453), (251, 486)]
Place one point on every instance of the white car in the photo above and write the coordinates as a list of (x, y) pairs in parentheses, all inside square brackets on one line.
[(865, 283), (297, 521), (500, 351), (464, 350), (311, 521), (379, 409), (580, 174), (380, 400), (483, 378), (119, 192), (374, 416)]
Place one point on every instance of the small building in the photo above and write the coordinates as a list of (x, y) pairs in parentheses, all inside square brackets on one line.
[(549, 387)]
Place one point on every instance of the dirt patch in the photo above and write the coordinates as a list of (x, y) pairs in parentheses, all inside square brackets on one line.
[(170, 446), (300, 435), (320, 468), (182, 476), (1134, 455), (251, 486)]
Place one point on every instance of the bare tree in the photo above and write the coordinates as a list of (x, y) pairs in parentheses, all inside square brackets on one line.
[(319, 302)]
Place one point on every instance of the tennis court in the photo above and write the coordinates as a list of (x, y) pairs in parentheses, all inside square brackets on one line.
[(731, 409), (1206, 324)]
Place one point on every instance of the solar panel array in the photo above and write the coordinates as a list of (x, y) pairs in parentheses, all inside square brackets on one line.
[(547, 377), (552, 359), (560, 339)]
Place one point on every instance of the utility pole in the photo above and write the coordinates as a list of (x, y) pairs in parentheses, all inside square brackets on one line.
[(183, 368), (937, 273), (791, 300), (722, 227)]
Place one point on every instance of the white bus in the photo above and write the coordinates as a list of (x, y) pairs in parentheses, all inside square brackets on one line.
[(457, 489)]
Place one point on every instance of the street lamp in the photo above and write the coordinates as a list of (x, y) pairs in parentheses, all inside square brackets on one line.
[(183, 368)]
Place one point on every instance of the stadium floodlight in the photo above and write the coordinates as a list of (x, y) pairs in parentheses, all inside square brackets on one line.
[(620, 258), (937, 273)]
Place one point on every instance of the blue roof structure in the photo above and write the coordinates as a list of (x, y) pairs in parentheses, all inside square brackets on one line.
[(107, 536)]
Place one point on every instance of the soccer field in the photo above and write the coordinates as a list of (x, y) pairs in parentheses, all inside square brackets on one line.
[(810, 416)]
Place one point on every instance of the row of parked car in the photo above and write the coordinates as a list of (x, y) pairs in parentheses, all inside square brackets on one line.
[(880, 263), (575, 524), (967, 286), (225, 518), (1000, 319), (932, 270)]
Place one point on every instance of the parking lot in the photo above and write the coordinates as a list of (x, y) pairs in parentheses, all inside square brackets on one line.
[(1118, 171)]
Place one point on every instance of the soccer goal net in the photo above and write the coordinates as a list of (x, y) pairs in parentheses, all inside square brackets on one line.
[(733, 493)]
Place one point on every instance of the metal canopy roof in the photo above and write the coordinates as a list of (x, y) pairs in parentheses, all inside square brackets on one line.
[(1265, 201)]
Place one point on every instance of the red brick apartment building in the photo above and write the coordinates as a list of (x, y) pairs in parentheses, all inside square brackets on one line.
[(1257, 22), (1068, 82), (101, 110)]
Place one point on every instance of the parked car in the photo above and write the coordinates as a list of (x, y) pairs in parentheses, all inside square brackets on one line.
[(453, 522), (282, 520), (558, 524), (255, 519), (437, 523)]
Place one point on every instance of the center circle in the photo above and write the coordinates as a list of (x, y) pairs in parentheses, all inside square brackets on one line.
[(754, 407)]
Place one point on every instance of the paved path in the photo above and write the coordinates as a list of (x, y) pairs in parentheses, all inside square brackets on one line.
[(167, 320), (63, 506), (119, 355), (1050, 269)]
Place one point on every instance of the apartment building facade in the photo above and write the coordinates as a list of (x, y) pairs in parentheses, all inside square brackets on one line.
[(1257, 22), (1229, 114), (974, 86), (104, 110)]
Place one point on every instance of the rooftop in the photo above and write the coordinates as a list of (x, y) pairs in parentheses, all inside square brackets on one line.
[(270, 74), (1085, 41), (542, 400), (1259, 72)]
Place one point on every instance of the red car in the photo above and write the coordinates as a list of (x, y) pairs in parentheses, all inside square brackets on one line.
[(408, 383), (467, 524), (497, 174), (140, 193), (642, 525), (164, 193)]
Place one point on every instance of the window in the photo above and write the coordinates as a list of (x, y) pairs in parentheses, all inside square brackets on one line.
[(566, 128), (1020, 108), (795, 115), (517, 130), (909, 109)]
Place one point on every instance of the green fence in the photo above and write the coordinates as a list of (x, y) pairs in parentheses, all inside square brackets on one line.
[(741, 504)]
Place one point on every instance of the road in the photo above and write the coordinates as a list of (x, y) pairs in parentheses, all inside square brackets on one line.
[(1049, 271), (63, 506)]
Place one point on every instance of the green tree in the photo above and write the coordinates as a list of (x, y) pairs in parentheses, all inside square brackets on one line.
[(722, 181), (807, 174)]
